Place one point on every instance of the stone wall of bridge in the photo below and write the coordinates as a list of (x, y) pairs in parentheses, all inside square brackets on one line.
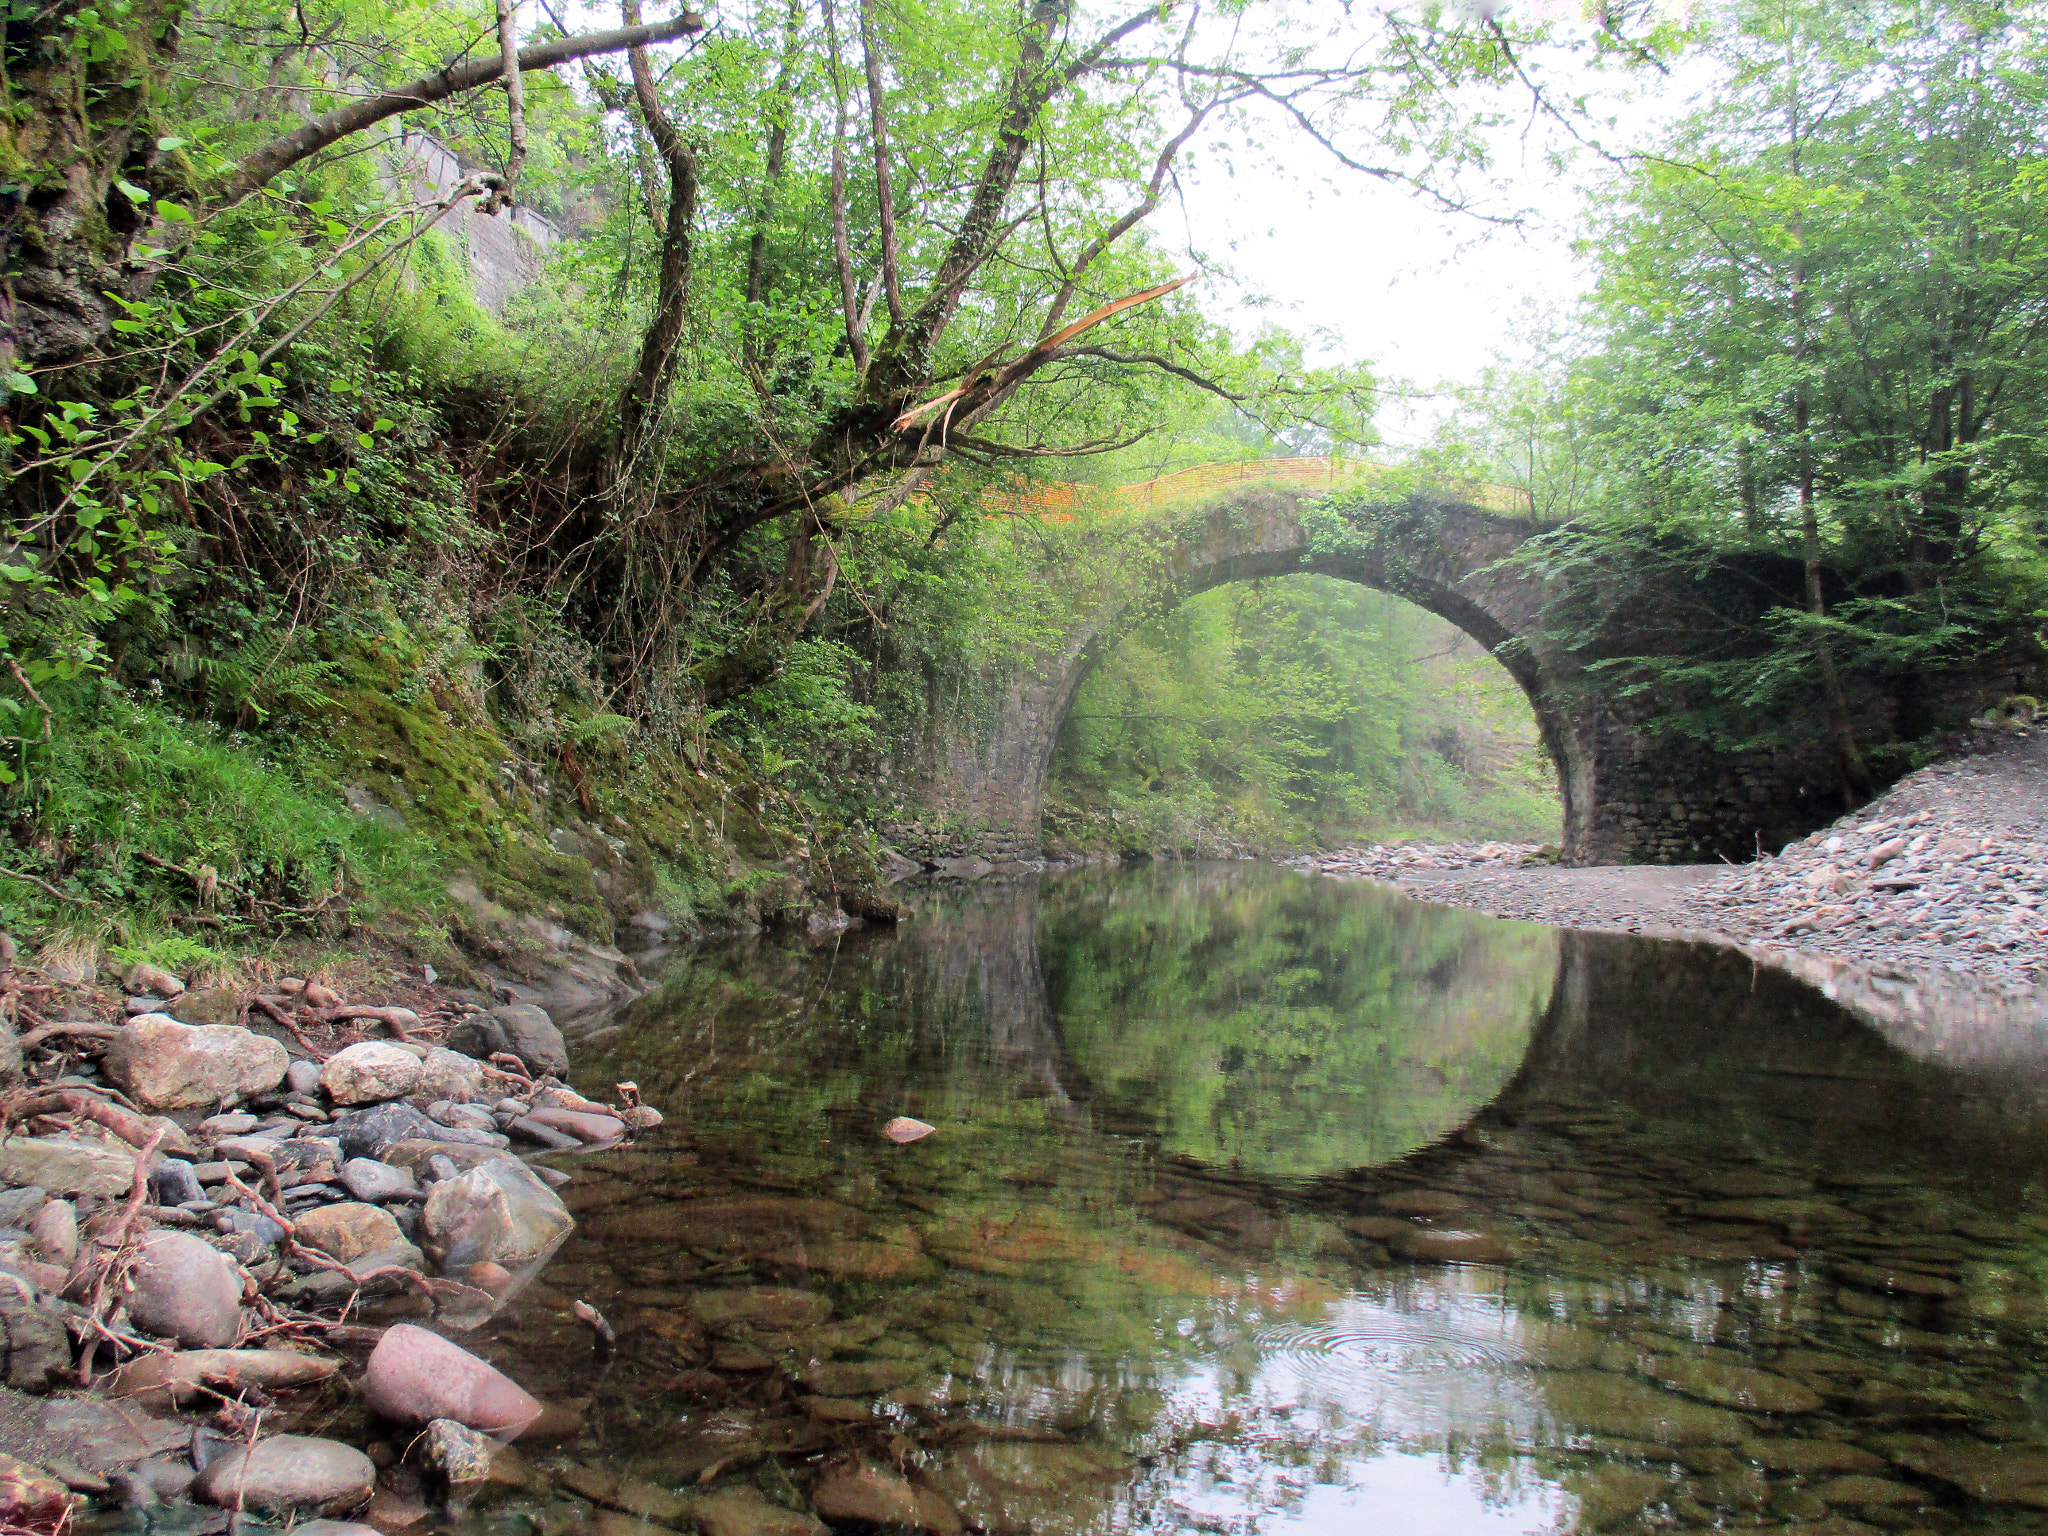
[(974, 785)]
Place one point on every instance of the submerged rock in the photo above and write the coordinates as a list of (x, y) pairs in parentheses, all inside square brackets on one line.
[(1733, 1386), (1601, 1403), (497, 1213), (868, 1495)]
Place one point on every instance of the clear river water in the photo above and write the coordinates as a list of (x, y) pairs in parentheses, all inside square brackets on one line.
[(1261, 1203)]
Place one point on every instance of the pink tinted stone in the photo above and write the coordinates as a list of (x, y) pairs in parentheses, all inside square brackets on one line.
[(415, 1376), (903, 1129)]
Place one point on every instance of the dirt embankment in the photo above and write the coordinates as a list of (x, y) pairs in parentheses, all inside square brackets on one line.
[(1948, 871)]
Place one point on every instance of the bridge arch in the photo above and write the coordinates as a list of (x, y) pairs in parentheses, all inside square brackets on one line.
[(975, 784), (1453, 570)]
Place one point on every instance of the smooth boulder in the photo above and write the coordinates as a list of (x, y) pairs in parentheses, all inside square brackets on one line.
[(370, 1072), (163, 1064), (414, 1377), (496, 1213), (165, 1380), (348, 1230), (186, 1290), (83, 1164), (517, 1029), (289, 1473)]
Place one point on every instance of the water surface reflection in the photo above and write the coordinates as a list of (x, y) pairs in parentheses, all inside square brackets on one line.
[(1260, 1203)]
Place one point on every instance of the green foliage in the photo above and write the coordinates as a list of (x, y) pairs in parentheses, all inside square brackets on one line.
[(129, 801), (1305, 707)]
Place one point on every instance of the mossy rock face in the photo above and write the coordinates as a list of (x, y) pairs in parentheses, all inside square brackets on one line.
[(648, 836)]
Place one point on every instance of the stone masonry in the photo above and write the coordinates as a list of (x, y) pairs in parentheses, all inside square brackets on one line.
[(1629, 796)]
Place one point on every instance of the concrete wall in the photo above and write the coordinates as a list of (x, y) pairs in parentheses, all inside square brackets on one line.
[(505, 251)]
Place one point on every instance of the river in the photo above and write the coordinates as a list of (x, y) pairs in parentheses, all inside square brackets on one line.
[(1258, 1203)]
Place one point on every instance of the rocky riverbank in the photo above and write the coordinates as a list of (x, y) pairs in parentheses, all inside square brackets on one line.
[(1946, 872), (221, 1205)]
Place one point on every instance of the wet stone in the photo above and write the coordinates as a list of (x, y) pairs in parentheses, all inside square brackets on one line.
[(1733, 1386)]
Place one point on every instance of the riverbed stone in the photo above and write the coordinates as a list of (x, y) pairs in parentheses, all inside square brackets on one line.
[(1994, 1473), (770, 1308), (1600, 1402), (164, 1380), (1733, 1386), (289, 1473), (414, 1377), (446, 1074), (187, 1290), (1894, 1281), (871, 1495), (161, 1063), (496, 1213), (208, 1006), (1810, 1458), (370, 1180), (152, 979), (743, 1511), (370, 1072), (1434, 1245), (1859, 1490), (349, 1230)]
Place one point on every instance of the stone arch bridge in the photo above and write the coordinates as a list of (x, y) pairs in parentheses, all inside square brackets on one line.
[(975, 785)]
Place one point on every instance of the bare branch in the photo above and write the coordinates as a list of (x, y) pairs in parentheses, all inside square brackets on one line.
[(515, 105), (855, 319), (651, 376), (1153, 360), (280, 154), (878, 114)]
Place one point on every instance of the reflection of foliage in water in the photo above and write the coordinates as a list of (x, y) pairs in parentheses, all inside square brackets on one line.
[(1288, 1026)]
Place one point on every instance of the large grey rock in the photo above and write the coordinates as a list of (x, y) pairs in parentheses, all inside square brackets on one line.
[(163, 1064), (80, 1164), (497, 1213), (415, 1377), (371, 1132), (34, 1341), (187, 1290), (289, 1472), (374, 1181), (446, 1074), (370, 1072), (520, 1029)]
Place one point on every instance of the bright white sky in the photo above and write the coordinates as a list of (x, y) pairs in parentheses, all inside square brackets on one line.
[(1425, 296)]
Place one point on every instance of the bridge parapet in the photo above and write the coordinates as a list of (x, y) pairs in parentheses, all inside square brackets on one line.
[(1053, 498)]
